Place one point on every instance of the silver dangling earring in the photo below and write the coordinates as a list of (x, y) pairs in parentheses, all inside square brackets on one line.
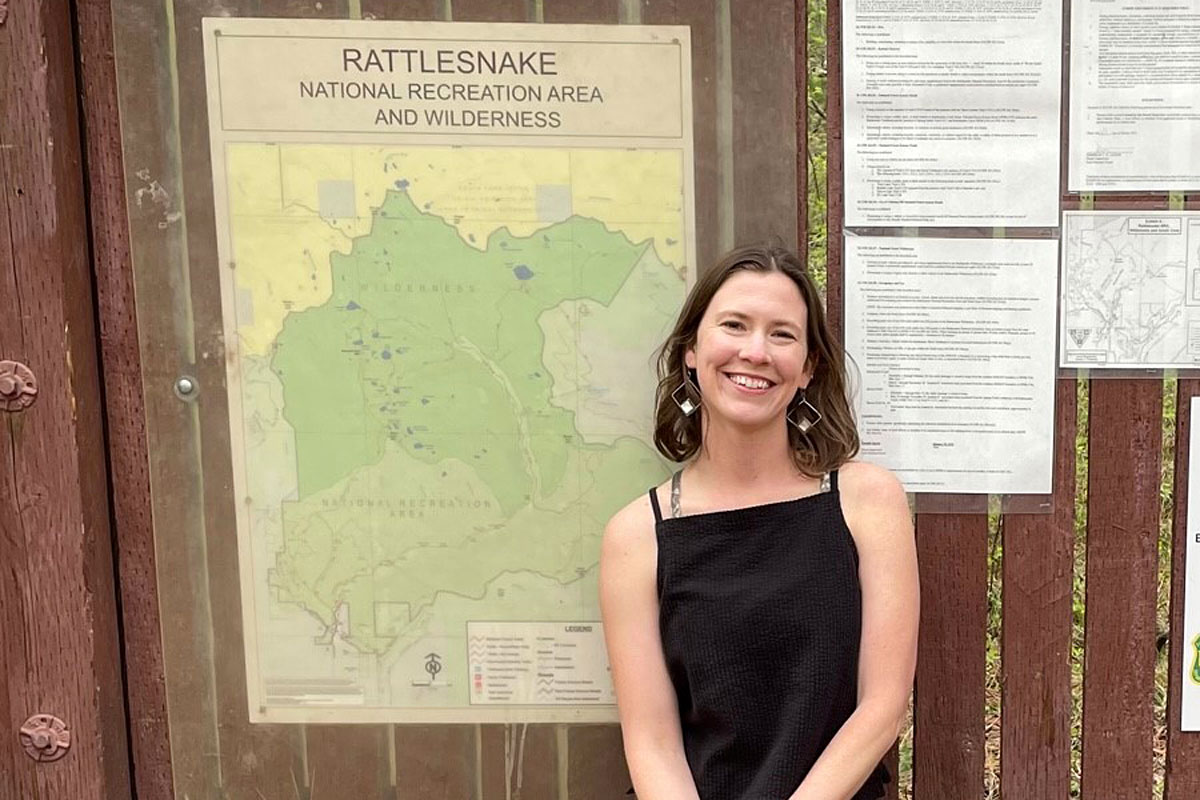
[(689, 403), (804, 415)]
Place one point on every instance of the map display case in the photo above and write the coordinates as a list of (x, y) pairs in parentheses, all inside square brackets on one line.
[(398, 374)]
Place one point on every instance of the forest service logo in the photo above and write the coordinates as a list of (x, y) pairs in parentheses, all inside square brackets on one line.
[(1195, 671), (1080, 335)]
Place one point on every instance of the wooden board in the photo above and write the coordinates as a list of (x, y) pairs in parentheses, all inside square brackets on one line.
[(597, 769), (835, 207), (763, 55), (59, 644), (1125, 422), (1036, 632), (125, 411), (949, 695), (1183, 749)]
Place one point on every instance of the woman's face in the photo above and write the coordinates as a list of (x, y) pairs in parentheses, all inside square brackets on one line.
[(751, 352)]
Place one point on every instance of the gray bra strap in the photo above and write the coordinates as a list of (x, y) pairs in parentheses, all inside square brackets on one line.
[(675, 512)]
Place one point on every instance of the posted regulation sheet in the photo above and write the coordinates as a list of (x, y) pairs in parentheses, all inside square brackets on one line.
[(1135, 95), (952, 112), (953, 341)]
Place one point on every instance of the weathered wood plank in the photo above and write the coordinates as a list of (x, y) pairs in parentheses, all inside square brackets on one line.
[(154, 196), (491, 10), (1125, 421), (800, 34), (1183, 749), (125, 410), (949, 697), (580, 12), (763, 52), (401, 9), (347, 761), (519, 760), (835, 206), (58, 617), (435, 762), (1036, 633), (597, 769)]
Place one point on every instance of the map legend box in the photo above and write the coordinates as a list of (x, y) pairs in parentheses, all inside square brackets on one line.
[(538, 663)]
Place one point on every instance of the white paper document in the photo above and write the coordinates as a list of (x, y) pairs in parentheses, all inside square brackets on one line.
[(1130, 289), (1135, 95), (954, 343), (952, 112), (1190, 694)]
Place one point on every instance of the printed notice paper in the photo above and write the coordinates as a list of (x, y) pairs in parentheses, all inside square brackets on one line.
[(954, 341), (952, 112), (447, 253), (1135, 95), (1190, 694), (1130, 289)]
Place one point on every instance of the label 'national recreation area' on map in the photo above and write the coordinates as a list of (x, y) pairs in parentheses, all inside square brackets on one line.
[(538, 663)]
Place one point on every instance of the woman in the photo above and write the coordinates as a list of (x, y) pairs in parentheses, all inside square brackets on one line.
[(760, 609)]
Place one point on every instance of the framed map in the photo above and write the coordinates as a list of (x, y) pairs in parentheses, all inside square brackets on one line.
[(448, 254)]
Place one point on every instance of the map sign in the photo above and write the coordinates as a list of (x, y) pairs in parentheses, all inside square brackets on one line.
[(448, 254), (1130, 289)]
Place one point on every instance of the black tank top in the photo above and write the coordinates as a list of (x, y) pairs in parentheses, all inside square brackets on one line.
[(760, 616)]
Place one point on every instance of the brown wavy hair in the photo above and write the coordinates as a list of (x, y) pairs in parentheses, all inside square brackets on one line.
[(826, 446)]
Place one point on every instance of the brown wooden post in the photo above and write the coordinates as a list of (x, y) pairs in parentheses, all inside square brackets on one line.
[(1183, 749), (763, 51), (1124, 453), (1036, 634), (1182, 779), (125, 411), (835, 199), (1037, 585), (949, 694), (800, 35), (59, 649)]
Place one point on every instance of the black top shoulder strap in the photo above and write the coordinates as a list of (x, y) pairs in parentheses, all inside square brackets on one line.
[(654, 503)]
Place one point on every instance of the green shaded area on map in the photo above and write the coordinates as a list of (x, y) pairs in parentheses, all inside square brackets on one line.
[(434, 345), (430, 457)]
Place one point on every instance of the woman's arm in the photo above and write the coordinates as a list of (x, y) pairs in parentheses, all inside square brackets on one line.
[(876, 511), (646, 699)]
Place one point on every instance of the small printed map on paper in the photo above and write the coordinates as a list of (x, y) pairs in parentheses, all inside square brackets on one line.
[(1130, 289), (440, 353)]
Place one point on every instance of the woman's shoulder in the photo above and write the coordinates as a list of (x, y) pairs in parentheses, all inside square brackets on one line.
[(633, 524), (873, 501), (629, 550), (862, 478)]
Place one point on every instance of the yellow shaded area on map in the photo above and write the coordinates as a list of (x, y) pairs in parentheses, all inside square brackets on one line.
[(293, 205), (281, 246)]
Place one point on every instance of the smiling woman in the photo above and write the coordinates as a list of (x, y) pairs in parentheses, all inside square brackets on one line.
[(759, 280), (762, 633)]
